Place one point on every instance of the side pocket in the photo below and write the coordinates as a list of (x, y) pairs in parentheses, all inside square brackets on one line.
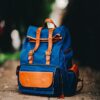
[(72, 80), (74, 69)]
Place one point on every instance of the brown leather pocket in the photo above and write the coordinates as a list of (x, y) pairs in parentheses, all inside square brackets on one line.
[(36, 79)]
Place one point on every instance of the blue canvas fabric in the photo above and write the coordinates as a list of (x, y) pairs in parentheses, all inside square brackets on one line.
[(65, 81), (57, 50)]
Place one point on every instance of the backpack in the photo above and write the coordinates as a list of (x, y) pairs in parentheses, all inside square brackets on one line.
[(46, 62)]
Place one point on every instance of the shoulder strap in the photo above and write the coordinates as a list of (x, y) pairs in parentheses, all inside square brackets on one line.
[(50, 43), (31, 52)]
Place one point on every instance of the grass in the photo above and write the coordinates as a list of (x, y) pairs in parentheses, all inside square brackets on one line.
[(8, 56)]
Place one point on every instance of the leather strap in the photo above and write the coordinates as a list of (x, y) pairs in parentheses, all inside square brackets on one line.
[(50, 43), (48, 20), (31, 52), (50, 40), (75, 69), (56, 38)]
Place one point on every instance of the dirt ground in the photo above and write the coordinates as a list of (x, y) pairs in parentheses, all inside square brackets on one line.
[(9, 91)]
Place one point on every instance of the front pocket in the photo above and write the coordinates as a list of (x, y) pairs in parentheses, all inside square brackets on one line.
[(36, 79), (36, 76)]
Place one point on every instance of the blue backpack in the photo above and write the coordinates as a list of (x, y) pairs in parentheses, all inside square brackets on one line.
[(45, 62)]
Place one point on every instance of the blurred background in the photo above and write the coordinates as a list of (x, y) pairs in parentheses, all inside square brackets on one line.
[(82, 17)]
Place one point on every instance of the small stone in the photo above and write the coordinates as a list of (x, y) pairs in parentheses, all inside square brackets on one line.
[(13, 77), (2, 69), (5, 87), (0, 75), (89, 93)]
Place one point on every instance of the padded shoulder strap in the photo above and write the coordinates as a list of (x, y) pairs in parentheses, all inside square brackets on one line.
[(50, 43), (30, 57)]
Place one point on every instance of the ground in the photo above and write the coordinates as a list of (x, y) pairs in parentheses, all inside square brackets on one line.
[(9, 91)]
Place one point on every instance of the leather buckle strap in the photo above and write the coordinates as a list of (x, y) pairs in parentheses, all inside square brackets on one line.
[(50, 43), (75, 69), (31, 52), (56, 38)]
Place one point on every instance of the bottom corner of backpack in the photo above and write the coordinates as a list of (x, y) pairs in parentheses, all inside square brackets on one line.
[(71, 84)]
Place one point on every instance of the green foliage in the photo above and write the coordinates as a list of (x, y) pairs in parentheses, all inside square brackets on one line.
[(5, 57)]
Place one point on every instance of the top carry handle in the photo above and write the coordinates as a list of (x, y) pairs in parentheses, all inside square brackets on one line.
[(48, 20)]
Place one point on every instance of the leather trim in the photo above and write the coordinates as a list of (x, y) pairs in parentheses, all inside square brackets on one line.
[(75, 69), (36, 79), (31, 52), (56, 38), (50, 43)]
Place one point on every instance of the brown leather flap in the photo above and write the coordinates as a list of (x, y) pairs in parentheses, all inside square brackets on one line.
[(36, 79)]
